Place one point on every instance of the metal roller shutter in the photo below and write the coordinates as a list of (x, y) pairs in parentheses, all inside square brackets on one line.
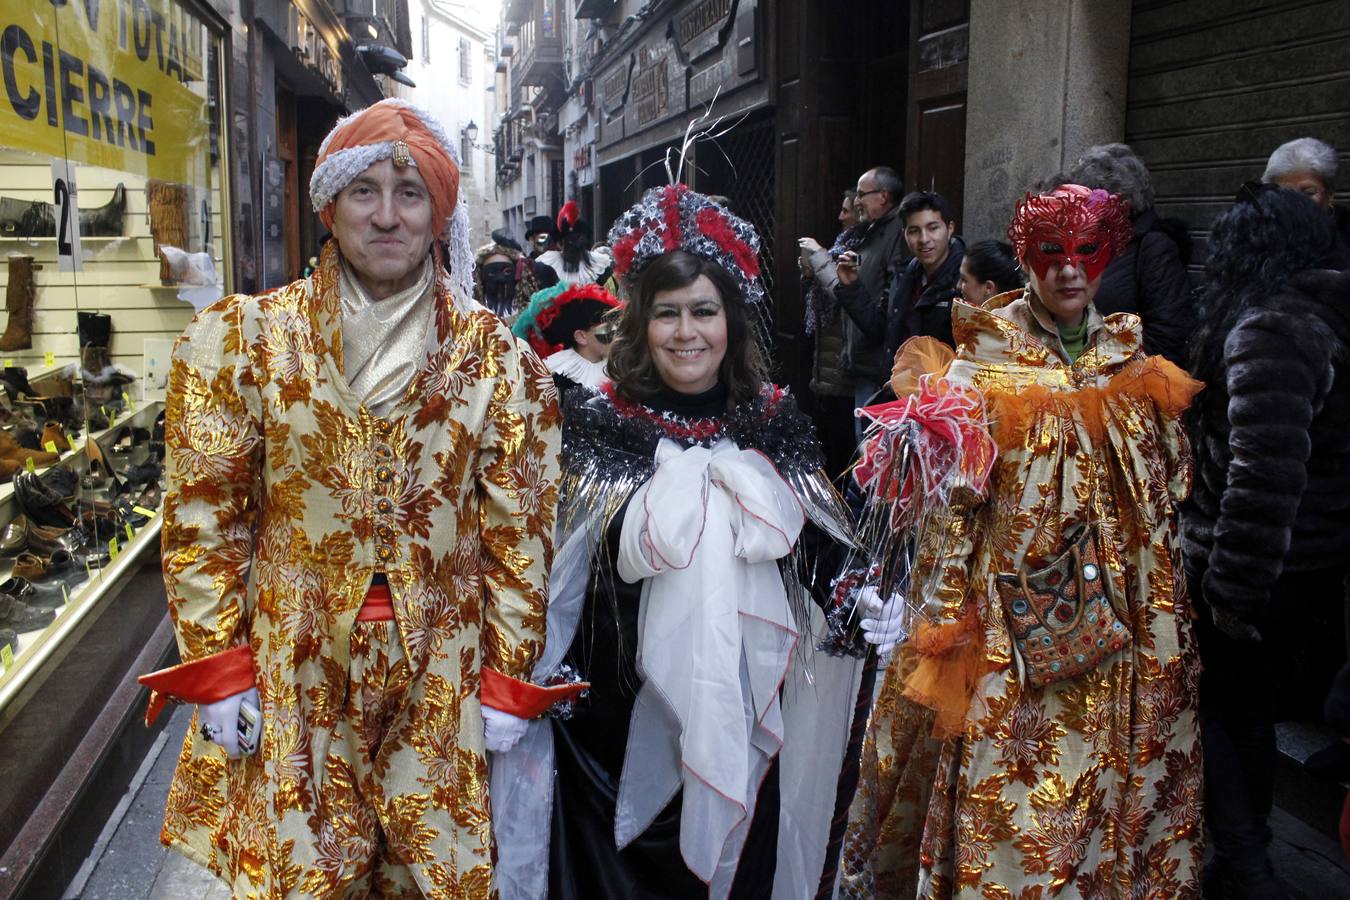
[(1216, 85)]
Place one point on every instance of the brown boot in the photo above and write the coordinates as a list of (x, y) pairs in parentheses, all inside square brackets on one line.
[(168, 205), (55, 435), (10, 449), (20, 293)]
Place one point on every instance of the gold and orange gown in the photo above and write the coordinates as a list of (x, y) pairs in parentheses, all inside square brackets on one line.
[(1091, 785)]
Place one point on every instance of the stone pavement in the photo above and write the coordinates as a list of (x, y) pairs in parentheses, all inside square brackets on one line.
[(129, 862)]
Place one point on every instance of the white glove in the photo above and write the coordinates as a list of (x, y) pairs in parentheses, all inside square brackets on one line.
[(219, 721), (882, 623), (501, 730)]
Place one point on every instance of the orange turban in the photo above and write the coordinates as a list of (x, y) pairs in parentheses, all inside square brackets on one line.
[(364, 138)]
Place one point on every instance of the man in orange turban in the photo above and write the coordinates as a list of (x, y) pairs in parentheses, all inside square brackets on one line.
[(358, 525)]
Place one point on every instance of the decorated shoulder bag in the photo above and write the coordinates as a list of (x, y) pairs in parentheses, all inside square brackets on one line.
[(1061, 618)]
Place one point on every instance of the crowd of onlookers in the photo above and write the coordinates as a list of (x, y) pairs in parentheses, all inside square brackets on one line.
[(1266, 327)]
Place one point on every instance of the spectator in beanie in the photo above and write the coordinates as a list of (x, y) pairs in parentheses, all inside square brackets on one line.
[(1149, 278), (1266, 535)]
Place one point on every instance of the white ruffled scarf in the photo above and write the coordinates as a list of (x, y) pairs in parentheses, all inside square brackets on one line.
[(571, 364), (715, 636), (384, 342)]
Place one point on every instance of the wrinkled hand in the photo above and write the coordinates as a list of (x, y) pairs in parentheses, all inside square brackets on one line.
[(882, 623), (219, 721), (1233, 625), (846, 268), (809, 244), (501, 730)]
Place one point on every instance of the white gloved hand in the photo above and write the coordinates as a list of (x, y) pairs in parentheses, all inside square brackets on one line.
[(882, 622), (501, 730), (219, 721)]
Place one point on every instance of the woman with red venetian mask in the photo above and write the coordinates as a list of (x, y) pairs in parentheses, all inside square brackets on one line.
[(1056, 656)]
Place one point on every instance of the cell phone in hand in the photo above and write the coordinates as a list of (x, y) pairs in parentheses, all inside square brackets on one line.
[(250, 728)]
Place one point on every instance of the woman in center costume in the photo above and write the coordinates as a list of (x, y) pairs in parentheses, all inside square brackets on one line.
[(1056, 652), (705, 760)]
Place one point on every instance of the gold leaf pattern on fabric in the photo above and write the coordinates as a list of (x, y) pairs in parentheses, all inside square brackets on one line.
[(1089, 785), (284, 498)]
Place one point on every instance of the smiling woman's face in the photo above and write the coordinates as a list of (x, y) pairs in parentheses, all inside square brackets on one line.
[(382, 223), (687, 336)]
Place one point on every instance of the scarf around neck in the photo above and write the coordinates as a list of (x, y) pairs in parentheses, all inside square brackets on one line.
[(384, 342)]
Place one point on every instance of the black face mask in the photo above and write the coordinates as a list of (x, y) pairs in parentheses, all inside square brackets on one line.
[(499, 286)]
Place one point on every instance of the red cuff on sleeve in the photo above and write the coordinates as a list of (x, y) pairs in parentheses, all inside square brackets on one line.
[(204, 680), (523, 698)]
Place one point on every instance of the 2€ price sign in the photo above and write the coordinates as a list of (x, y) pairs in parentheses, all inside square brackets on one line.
[(67, 216)]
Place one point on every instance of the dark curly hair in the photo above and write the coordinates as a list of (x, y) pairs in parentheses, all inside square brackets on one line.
[(1254, 248), (631, 367)]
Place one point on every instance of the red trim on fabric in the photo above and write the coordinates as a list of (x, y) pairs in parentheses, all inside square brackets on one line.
[(523, 698), (378, 605), (204, 680)]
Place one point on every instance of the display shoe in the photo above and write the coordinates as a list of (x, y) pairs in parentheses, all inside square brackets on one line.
[(29, 438), (167, 203), (47, 540), (20, 295), (12, 449), (15, 612), (96, 478), (142, 475), (15, 379), (43, 501), (7, 468), (97, 420), (14, 538), (98, 464), (54, 434), (30, 566), (105, 220)]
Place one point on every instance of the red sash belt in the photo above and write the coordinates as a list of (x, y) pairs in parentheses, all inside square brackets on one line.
[(378, 605)]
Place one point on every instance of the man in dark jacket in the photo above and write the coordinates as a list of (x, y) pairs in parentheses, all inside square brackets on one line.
[(919, 301), (874, 265)]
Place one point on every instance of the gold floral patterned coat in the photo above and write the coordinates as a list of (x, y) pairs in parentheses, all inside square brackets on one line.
[(285, 496), (1090, 786)]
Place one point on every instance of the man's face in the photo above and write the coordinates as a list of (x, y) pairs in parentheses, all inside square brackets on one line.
[(929, 237), (539, 241), (873, 203), (383, 225), (1310, 184)]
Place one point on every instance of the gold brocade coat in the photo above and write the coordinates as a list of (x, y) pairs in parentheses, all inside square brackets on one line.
[(285, 496), (1090, 786)]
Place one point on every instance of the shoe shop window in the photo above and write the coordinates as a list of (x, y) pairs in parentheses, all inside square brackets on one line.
[(112, 188)]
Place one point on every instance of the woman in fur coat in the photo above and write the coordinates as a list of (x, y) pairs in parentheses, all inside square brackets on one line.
[(1266, 534)]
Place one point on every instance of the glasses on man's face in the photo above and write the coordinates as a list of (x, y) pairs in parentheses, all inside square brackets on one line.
[(862, 194)]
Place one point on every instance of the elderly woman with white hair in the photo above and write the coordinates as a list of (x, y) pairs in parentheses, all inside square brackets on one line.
[(1309, 166), (1149, 278)]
